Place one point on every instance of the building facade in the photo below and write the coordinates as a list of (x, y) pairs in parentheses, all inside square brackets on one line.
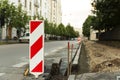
[(48, 9), (59, 12), (56, 14)]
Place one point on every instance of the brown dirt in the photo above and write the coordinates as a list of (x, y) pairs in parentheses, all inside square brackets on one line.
[(103, 56)]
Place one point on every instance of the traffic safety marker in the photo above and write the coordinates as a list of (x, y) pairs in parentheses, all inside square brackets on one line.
[(79, 40), (36, 47)]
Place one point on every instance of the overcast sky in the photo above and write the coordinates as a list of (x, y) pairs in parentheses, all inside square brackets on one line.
[(75, 11)]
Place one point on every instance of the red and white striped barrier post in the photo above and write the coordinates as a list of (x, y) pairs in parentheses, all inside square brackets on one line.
[(79, 40), (36, 47)]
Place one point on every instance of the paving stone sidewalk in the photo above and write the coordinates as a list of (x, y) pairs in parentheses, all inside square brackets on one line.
[(99, 76)]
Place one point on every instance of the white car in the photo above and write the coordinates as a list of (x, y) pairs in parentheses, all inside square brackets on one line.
[(24, 38)]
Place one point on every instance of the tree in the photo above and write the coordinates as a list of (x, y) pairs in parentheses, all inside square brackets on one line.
[(87, 24), (13, 16), (55, 29), (70, 33), (61, 29), (20, 20), (7, 12), (107, 14), (46, 24), (76, 33), (2, 17)]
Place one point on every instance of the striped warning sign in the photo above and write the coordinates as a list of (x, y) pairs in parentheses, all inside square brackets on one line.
[(36, 48), (79, 40)]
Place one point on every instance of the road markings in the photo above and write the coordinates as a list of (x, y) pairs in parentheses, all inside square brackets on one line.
[(20, 64), (24, 59), (1, 74), (60, 48), (53, 51)]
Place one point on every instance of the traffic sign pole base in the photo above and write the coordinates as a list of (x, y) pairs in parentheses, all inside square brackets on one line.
[(36, 76)]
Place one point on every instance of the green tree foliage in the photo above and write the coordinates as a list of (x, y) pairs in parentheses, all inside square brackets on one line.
[(107, 14), (46, 24), (87, 24), (54, 29), (76, 34), (13, 16), (60, 30), (70, 32), (49, 27), (21, 18)]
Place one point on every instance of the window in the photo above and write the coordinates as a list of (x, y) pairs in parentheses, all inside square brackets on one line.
[(30, 6), (40, 3), (25, 3), (53, 20), (19, 1), (54, 5)]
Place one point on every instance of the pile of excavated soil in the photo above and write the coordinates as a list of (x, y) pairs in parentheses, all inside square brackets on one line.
[(103, 56)]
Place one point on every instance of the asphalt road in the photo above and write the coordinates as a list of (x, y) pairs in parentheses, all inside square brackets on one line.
[(14, 56)]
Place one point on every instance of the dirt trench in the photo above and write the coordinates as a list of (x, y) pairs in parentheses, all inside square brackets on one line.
[(101, 56)]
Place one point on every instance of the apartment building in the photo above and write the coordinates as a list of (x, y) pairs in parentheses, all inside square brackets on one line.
[(56, 14), (59, 12), (48, 9), (31, 7)]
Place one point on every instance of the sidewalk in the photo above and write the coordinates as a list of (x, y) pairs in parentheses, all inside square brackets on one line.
[(99, 76), (85, 72), (8, 41)]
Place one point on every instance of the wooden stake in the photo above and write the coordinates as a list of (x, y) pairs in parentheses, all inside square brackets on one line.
[(68, 71), (71, 59)]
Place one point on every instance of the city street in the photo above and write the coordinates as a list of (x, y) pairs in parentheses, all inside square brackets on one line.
[(13, 58), (91, 26)]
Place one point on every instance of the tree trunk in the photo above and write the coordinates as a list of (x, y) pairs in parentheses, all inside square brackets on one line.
[(9, 32)]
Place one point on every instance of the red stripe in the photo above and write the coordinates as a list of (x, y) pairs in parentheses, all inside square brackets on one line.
[(38, 68), (68, 45), (34, 25), (36, 47)]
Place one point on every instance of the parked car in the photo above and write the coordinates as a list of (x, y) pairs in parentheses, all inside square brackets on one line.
[(24, 38)]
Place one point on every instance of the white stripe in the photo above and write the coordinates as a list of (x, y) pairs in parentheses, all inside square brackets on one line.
[(60, 48), (1, 74), (53, 51), (36, 34), (36, 59), (20, 64)]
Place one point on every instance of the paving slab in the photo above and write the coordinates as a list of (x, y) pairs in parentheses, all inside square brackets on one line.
[(71, 77), (99, 76)]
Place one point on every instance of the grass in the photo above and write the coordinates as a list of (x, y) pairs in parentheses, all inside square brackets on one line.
[(7, 42), (1, 43)]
